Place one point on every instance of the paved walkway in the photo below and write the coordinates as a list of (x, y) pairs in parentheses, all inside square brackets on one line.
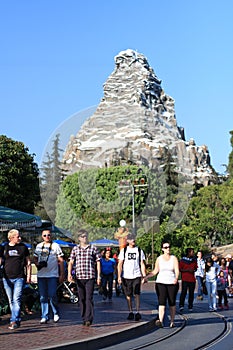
[(110, 319), (110, 326)]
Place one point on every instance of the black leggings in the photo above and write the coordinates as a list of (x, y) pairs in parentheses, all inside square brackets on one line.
[(167, 292)]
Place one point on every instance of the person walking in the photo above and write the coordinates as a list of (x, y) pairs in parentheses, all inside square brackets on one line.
[(199, 274), (224, 268), (212, 270), (87, 262), (15, 257), (167, 272), (188, 266), (48, 258), (108, 267), (131, 270), (221, 290)]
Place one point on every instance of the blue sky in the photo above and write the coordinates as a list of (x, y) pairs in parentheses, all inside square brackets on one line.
[(56, 55)]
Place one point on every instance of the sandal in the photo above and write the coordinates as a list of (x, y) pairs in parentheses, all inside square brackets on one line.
[(13, 325), (159, 324)]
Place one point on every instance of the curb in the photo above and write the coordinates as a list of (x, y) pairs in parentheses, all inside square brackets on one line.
[(108, 339)]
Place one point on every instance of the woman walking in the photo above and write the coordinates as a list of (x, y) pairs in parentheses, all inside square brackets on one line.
[(108, 269), (167, 272), (212, 270)]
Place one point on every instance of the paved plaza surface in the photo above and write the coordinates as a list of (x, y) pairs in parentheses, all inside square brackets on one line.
[(111, 326)]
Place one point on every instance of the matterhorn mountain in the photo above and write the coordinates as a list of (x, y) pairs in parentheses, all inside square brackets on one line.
[(135, 123)]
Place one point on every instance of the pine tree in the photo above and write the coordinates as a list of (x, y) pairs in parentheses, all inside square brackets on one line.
[(51, 177), (230, 163)]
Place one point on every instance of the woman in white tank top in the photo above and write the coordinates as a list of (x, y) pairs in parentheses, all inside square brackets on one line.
[(167, 272)]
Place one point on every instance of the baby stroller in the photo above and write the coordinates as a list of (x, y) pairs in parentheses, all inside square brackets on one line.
[(67, 291)]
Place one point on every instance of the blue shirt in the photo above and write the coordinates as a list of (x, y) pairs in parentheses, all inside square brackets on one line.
[(107, 266)]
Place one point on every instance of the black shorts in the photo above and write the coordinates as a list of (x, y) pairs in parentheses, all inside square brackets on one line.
[(167, 292), (131, 286)]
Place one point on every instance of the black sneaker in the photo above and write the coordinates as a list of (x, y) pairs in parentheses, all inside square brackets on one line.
[(130, 316), (137, 316)]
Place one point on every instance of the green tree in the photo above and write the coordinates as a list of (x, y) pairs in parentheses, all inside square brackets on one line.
[(51, 176), (209, 216), (230, 162), (19, 176), (101, 197)]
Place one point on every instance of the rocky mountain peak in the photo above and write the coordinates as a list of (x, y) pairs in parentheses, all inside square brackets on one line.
[(135, 123)]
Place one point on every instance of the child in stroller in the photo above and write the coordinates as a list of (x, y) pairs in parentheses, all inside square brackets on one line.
[(67, 291)]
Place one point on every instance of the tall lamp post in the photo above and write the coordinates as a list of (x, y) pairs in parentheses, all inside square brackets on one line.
[(152, 223), (131, 186)]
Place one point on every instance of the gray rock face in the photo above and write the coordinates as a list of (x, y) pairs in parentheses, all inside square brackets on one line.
[(135, 123)]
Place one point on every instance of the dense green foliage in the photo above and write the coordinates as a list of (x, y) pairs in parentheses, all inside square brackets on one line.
[(19, 184), (100, 198), (211, 212)]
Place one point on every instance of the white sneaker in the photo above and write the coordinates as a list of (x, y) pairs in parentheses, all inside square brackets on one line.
[(43, 321), (56, 318)]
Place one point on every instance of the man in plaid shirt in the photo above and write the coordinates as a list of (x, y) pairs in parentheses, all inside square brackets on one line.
[(87, 262)]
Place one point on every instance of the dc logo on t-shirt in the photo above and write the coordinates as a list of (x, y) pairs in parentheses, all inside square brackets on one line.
[(131, 256)]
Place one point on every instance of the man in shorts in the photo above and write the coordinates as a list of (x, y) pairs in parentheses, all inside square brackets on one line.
[(131, 270)]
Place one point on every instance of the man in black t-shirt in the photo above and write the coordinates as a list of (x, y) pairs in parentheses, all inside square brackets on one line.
[(15, 256)]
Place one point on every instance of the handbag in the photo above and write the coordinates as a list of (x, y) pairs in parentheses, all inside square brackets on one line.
[(204, 289)]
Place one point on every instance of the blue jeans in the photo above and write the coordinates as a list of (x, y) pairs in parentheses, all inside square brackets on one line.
[(199, 286), (211, 289), (14, 291), (48, 295)]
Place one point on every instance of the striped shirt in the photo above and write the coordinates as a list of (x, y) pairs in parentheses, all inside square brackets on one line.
[(85, 261)]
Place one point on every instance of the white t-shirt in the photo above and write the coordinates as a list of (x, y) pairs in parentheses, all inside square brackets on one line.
[(42, 253), (131, 266), (213, 272)]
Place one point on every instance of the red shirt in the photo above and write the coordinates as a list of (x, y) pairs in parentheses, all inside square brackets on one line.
[(188, 264)]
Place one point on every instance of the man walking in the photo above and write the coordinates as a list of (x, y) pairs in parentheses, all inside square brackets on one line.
[(15, 257), (87, 262), (188, 266), (131, 269), (48, 258)]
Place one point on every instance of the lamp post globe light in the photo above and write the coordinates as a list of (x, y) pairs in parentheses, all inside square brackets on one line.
[(122, 223)]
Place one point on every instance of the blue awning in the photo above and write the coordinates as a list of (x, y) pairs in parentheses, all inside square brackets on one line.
[(105, 243), (64, 244)]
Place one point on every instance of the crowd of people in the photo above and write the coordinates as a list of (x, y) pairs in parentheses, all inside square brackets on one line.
[(88, 267)]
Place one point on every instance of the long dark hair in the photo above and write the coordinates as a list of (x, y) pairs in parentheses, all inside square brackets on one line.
[(208, 260)]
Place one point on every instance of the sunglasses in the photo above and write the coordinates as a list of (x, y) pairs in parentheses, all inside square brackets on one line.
[(83, 236), (166, 247), (46, 235)]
